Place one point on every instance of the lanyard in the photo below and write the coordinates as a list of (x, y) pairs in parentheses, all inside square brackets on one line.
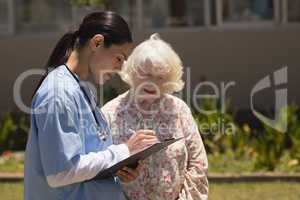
[(103, 136)]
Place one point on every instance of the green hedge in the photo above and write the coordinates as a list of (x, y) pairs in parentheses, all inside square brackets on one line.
[(265, 149), (246, 149), (14, 128)]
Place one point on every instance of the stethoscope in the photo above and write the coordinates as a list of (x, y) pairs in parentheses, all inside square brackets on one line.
[(102, 133)]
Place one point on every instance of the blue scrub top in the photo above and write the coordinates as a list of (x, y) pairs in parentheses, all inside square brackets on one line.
[(62, 128)]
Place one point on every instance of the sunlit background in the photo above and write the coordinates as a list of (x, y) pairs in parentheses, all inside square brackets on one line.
[(219, 41)]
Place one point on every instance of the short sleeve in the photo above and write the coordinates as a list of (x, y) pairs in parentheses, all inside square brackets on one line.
[(58, 138)]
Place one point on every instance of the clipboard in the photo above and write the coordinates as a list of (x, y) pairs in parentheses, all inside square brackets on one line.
[(133, 160)]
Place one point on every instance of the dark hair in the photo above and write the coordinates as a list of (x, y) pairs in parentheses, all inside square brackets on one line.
[(112, 26)]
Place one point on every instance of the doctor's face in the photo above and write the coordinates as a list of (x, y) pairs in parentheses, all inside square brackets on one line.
[(105, 62)]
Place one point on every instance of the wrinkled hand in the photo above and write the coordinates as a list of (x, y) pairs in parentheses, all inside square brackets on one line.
[(140, 140), (127, 174)]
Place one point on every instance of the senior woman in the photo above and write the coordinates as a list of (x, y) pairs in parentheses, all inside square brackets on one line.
[(154, 72)]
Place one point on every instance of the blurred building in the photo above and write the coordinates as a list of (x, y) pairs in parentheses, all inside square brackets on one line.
[(238, 41)]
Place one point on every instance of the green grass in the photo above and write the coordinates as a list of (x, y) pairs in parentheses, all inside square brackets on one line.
[(218, 163), (258, 191), (12, 165), (229, 163), (241, 191), (11, 191)]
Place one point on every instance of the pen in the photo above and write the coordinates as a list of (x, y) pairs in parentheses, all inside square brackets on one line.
[(132, 131)]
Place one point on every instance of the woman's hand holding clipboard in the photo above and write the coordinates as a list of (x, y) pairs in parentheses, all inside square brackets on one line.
[(134, 159), (139, 141)]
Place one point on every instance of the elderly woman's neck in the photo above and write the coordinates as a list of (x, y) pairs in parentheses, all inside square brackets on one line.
[(146, 104)]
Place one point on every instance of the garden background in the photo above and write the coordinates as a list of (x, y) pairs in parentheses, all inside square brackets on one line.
[(239, 41)]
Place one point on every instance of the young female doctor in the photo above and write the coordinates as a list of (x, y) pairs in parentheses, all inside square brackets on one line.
[(70, 141)]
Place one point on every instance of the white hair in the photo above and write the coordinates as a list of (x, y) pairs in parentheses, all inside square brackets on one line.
[(156, 51)]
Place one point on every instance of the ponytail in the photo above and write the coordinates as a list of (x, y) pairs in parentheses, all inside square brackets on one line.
[(60, 54), (62, 50), (111, 25)]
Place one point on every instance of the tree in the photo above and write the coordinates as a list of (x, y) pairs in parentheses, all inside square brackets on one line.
[(95, 3)]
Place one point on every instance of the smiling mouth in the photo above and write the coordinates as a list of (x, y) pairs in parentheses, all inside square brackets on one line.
[(149, 91)]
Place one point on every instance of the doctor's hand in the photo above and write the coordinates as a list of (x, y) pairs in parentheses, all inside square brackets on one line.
[(141, 140), (127, 174)]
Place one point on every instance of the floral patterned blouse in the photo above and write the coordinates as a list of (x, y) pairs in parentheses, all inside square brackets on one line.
[(179, 171)]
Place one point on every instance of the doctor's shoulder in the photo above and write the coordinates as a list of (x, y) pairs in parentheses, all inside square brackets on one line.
[(57, 86)]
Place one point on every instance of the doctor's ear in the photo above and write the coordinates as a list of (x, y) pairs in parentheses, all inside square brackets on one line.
[(96, 41)]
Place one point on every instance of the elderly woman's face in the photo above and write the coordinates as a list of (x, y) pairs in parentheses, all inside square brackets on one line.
[(150, 82)]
